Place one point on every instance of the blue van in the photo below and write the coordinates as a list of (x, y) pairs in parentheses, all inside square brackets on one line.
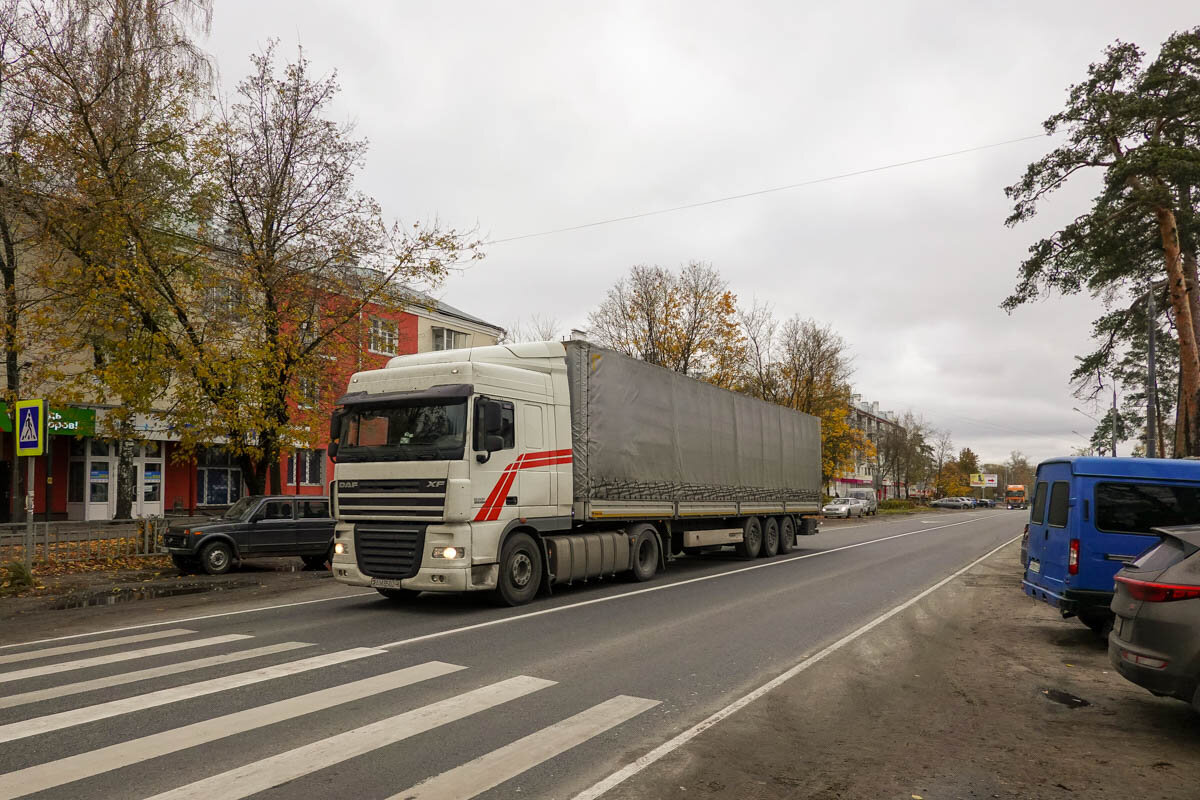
[(1090, 517)]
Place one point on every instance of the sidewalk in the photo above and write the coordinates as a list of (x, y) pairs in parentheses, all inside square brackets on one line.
[(155, 578), (947, 699)]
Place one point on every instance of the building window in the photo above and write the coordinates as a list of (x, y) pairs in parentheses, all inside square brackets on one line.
[(309, 392), (310, 463), (76, 478), (218, 481), (384, 336), (447, 339)]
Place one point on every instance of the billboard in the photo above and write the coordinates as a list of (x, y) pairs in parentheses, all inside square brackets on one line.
[(980, 480)]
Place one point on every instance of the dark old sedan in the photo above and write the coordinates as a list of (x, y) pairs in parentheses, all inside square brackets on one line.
[(255, 527), (1155, 640)]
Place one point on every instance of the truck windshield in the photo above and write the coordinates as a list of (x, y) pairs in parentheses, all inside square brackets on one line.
[(422, 431)]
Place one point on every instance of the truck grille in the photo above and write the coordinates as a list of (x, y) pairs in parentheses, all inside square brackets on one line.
[(400, 499), (388, 551)]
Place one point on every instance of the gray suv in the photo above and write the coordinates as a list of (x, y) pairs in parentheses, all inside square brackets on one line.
[(1155, 640), (255, 527)]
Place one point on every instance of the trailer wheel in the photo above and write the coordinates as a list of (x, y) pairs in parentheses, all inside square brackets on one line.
[(770, 538), (520, 571), (787, 535), (751, 542), (645, 552)]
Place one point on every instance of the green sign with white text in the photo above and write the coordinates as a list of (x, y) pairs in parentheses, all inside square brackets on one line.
[(66, 421)]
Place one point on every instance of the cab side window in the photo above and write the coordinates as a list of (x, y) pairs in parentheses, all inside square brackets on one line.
[(508, 425)]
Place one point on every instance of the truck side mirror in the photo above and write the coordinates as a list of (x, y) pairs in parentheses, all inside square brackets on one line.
[(494, 442), (492, 421), (335, 424), (332, 450)]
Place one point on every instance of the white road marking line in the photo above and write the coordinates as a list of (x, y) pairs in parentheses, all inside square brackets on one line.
[(491, 770), (96, 762), (96, 645), (262, 775), (629, 770), (145, 674), (185, 620), (79, 716), (112, 658), (775, 562)]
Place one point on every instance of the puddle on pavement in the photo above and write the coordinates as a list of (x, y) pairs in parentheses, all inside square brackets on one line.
[(86, 599), (1065, 698)]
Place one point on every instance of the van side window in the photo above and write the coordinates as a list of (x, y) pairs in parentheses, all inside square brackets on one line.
[(1138, 507), (1060, 495), (1039, 504)]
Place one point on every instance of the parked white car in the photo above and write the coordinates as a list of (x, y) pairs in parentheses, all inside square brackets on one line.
[(844, 507)]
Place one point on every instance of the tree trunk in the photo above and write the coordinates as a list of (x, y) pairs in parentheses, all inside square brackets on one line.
[(11, 367), (254, 475), (1187, 435), (126, 475)]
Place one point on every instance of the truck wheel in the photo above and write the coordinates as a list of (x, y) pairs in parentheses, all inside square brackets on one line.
[(787, 535), (770, 538), (314, 562), (216, 558), (399, 595), (520, 571), (645, 552), (751, 542)]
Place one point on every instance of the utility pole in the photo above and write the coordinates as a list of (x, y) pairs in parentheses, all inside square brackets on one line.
[(1114, 421), (1151, 380)]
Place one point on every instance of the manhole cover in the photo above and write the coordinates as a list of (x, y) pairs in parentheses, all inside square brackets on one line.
[(1065, 698)]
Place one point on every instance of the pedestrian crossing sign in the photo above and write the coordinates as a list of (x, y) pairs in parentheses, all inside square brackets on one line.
[(31, 427)]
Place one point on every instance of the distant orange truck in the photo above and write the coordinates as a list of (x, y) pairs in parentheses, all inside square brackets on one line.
[(1014, 496)]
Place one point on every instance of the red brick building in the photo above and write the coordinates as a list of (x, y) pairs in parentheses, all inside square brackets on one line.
[(77, 477)]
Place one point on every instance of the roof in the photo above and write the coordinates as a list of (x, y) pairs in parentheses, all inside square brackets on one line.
[(1177, 469), (448, 310)]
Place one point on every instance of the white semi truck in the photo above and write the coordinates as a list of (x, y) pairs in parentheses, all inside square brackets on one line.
[(513, 468)]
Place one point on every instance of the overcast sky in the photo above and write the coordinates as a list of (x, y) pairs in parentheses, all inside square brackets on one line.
[(523, 117)]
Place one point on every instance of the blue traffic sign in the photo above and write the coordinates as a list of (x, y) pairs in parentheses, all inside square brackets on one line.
[(31, 427)]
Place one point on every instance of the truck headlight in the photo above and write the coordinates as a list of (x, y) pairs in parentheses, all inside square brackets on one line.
[(449, 552), (339, 549)]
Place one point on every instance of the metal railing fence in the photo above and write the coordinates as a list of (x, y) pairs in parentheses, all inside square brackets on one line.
[(60, 542)]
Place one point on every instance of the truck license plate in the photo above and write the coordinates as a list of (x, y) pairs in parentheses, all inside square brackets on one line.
[(385, 583), (1035, 565)]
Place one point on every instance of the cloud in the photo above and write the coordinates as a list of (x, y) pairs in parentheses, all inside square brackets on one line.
[(543, 115)]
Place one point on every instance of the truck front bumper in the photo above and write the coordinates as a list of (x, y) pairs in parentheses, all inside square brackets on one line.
[(433, 574)]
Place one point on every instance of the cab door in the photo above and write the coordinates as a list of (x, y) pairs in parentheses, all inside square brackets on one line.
[(494, 489), (537, 462)]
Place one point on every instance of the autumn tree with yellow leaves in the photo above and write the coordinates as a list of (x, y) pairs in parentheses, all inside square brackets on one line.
[(685, 321), (208, 260)]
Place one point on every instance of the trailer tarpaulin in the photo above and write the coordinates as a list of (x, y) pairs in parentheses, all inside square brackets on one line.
[(642, 432)]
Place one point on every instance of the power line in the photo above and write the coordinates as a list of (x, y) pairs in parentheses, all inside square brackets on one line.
[(743, 196)]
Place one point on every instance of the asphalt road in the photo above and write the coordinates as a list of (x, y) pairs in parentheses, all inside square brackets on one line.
[(355, 697)]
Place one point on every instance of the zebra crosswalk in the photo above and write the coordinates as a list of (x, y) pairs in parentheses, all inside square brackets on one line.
[(340, 722)]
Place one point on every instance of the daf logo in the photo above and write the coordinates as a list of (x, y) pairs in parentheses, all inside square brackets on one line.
[(348, 484), (434, 484)]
